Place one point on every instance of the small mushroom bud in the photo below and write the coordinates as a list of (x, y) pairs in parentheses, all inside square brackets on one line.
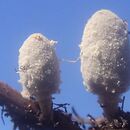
[(39, 71), (105, 59)]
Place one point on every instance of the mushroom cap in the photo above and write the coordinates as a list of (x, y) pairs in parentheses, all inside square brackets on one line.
[(105, 54), (39, 66)]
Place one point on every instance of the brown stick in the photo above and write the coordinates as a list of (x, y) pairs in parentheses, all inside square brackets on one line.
[(25, 112), (10, 98)]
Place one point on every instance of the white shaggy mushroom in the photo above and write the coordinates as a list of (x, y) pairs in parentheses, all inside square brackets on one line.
[(105, 58), (39, 71)]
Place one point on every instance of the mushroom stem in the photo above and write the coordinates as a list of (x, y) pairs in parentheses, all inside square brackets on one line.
[(109, 103), (46, 108)]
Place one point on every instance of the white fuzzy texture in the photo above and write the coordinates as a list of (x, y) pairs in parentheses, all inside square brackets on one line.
[(25, 93), (105, 64), (38, 67)]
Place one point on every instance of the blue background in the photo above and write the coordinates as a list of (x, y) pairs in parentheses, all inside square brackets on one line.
[(61, 20)]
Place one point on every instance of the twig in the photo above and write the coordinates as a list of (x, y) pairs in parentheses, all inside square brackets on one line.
[(123, 101)]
